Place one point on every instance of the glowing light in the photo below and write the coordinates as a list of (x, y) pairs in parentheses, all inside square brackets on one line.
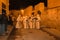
[(22, 11)]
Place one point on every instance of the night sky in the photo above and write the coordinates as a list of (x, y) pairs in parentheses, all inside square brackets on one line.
[(18, 4)]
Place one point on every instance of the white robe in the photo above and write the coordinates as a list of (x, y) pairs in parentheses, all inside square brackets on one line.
[(30, 23), (38, 22), (25, 22), (19, 22), (33, 22)]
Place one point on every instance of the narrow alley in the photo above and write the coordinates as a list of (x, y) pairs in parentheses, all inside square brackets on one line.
[(29, 19)]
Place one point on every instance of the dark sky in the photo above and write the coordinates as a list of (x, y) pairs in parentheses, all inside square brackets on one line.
[(18, 4)]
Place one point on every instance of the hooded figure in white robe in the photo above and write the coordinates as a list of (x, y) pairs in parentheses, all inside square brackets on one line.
[(19, 22), (25, 22), (30, 22), (38, 21)]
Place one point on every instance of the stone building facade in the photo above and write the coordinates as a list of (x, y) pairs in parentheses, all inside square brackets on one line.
[(4, 5)]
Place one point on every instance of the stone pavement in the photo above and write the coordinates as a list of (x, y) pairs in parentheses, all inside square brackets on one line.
[(54, 32), (31, 34)]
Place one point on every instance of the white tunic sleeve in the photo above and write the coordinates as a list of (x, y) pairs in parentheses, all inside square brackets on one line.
[(18, 19)]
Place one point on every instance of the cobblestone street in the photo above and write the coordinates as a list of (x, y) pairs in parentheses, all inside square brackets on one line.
[(30, 34)]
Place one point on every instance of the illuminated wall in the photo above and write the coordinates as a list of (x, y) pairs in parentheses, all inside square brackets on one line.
[(40, 7), (28, 10), (53, 14), (53, 3), (6, 2), (0, 7), (50, 17)]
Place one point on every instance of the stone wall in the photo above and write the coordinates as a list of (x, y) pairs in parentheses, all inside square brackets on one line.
[(28, 10), (50, 17), (53, 3), (6, 2)]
